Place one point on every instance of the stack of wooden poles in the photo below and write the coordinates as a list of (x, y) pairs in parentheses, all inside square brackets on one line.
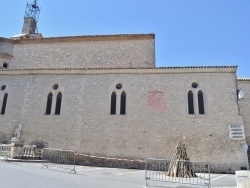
[(180, 165)]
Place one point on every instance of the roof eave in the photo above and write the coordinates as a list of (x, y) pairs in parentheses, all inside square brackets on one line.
[(86, 38), (160, 70)]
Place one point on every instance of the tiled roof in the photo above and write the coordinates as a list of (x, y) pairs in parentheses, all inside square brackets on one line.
[(202, 67), (2, 39), (243, 79), (85, 38)]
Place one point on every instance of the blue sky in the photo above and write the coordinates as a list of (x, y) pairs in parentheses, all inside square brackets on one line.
[(188, 32)]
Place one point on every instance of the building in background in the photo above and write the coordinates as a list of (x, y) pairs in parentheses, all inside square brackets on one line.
[(103, 95)]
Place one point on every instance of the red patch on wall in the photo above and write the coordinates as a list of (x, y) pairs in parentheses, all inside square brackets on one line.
[(156, 100)]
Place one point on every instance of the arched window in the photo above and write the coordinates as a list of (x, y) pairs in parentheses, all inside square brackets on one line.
[(123, 103), (4, 103), (201, 102), (5, 65), (58, 103), (113, 103), (190, 103), (49, 103)]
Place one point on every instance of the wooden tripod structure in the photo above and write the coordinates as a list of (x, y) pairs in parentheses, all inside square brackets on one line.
[(180, 165)]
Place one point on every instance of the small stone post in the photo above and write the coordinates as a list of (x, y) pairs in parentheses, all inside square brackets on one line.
[(13, 149), (243, 179)]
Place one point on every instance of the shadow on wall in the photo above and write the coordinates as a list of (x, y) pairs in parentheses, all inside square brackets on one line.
[(5, 138)]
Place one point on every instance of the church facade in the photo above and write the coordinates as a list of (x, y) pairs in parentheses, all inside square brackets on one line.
[(103, 95)]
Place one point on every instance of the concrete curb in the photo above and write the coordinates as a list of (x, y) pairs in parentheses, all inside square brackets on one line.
[(3, 159)]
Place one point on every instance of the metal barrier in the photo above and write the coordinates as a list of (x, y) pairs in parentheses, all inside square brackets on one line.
[(5, 150), (156, 173), (59, 158)]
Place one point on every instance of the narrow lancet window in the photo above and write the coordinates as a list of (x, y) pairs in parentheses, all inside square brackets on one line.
[(190, 103), (49, 103), (113, 103), (201, 102), (4, 103), (58, 103), (123, 103)]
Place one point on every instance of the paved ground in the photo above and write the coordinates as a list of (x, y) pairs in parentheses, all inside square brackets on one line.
[(30, 175)]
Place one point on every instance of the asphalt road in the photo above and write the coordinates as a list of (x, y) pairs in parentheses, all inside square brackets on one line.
[(30, 175)]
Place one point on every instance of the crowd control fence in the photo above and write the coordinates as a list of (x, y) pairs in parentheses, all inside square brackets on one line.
[(156, 173), (59, 158)]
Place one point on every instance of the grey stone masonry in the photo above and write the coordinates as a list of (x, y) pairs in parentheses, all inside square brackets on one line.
[(244, 104), (156, 111), (29, 26), (111, 51)]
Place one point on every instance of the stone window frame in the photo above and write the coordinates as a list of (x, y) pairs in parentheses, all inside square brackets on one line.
[(55, 93), (199, 107), (120, 107)]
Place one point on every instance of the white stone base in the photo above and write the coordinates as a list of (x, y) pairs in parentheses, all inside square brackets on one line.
[(243, 179)]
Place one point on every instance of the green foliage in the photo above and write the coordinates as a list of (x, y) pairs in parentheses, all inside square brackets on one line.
[(40, 144)]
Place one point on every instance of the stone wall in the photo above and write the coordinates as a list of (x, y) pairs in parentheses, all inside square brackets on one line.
[(86, 126), (6, 48), (244, 85), (85, 52)]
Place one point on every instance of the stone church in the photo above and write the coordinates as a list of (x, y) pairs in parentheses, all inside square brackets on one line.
[(104, 95)]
